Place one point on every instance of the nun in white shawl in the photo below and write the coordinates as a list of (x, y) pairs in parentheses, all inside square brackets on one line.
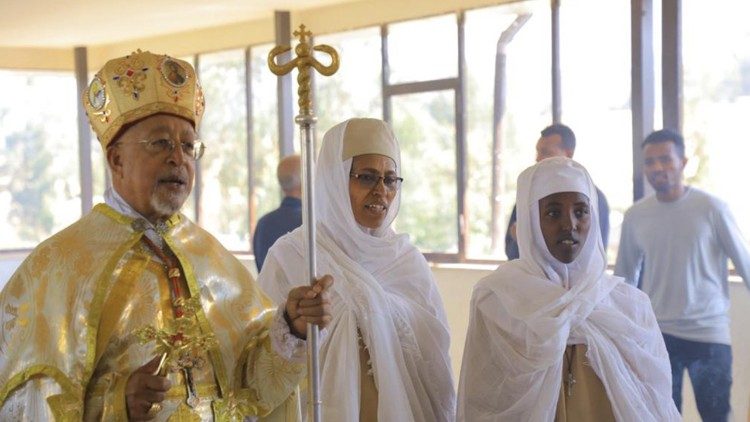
[(552, 336), (385, 356)]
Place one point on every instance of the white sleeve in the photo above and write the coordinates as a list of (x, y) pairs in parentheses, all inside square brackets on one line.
[(281, 264), (733, 243), (273, 279)]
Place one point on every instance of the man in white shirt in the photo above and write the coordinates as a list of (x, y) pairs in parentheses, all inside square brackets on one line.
[(677, 243)]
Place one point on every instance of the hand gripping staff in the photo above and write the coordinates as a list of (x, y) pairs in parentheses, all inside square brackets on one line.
[(306, 120)]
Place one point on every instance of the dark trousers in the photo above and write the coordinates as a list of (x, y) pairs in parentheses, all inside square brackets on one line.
[(709, 366)]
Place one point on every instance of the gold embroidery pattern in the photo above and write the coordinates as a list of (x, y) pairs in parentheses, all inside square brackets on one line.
[(271, 378), (184, 414), (18, 314), (234, 407), (65, 407), (130, 77), (200, 103)]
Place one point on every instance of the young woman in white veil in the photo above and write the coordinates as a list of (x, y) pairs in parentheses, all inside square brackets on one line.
[(552, 336), (385, 355)]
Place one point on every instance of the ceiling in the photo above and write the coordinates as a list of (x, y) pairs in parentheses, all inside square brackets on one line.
[(62, 24)]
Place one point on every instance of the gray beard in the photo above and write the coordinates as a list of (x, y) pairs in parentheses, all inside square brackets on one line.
[(167, 206)]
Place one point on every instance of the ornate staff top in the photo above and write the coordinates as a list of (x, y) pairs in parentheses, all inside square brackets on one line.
[(303, 62)]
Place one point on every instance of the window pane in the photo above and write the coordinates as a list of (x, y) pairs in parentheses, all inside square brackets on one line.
[(596, 98), (716, 66), (266, 194), (188, 208), (425, 127), (40, 190), (224, 165), (99, 167), (98, 170), (527, 98), (424, 49), (355, 90)]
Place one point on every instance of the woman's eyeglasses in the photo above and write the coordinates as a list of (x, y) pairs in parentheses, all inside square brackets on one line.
[(369, 180)]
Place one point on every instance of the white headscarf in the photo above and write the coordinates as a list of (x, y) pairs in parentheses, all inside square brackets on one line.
[(370, 248), (557, 175), (382, 288), (526, 313)]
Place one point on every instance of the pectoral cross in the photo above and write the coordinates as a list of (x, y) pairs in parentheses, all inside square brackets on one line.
[(570, 381), (183, 347)]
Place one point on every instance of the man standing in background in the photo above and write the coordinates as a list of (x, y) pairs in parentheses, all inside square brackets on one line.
[(557, 140), (285, 218), (677, 243)]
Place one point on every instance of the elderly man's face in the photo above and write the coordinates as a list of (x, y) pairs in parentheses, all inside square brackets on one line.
[(565, 219), (154, 184), (370, 203)]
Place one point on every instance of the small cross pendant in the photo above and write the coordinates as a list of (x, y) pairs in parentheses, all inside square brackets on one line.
[(570, 381)]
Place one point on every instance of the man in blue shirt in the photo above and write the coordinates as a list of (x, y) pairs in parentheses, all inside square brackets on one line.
[(285, 218)]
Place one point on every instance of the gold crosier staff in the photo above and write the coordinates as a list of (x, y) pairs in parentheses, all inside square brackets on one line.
[(306, 120)]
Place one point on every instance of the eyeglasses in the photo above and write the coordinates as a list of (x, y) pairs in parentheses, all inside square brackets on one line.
[(369, 180), (194, 149)]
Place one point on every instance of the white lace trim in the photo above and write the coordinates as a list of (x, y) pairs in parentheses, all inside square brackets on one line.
[(286, 344)]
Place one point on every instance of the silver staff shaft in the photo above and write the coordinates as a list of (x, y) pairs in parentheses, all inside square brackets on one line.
[(306, 123), (306, 120)]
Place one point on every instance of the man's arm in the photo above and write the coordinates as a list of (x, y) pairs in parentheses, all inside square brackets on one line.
[(629, 256), (732, 242)]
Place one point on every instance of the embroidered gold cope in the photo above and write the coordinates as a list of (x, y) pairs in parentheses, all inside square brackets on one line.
[(70, 312)]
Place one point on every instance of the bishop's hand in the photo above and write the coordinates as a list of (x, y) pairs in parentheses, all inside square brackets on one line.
[(309, 304), (145, 391)]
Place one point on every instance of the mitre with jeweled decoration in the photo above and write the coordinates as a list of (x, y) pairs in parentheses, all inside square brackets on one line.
[(141, 84)]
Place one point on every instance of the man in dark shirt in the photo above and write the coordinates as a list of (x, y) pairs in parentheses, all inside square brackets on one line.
[(285, 218), (557, 140)]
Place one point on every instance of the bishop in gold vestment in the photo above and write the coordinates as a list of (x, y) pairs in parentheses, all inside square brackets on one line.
[(73, 316)]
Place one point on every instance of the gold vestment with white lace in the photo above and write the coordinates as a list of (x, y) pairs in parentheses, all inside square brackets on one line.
[(70, 313)]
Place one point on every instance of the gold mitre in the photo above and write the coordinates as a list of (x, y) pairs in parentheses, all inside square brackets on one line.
[(141, 84)]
